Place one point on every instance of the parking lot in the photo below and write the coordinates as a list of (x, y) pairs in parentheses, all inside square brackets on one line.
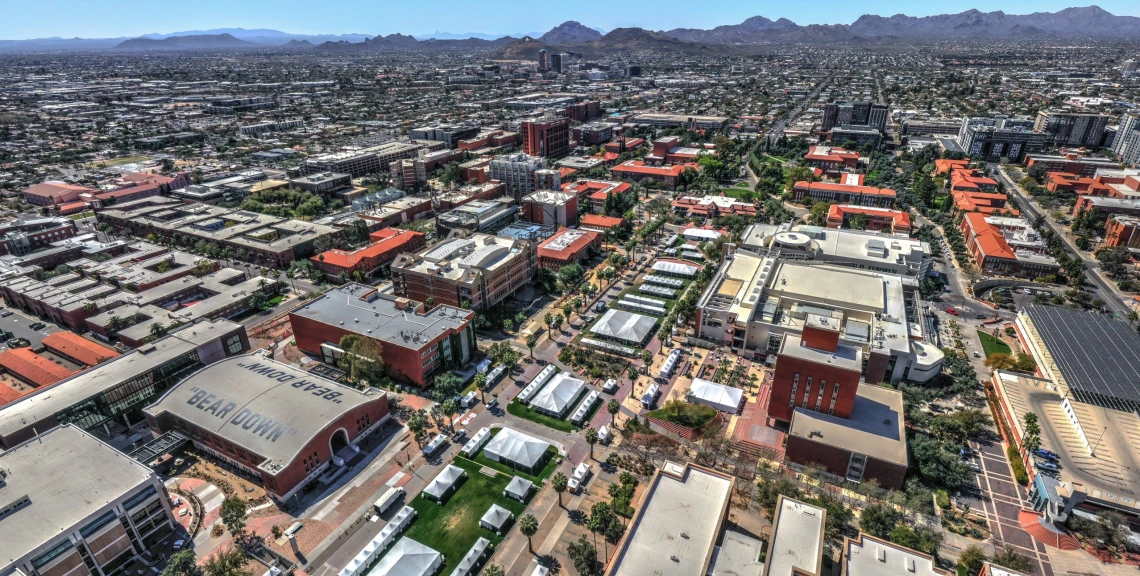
[(19, 324)]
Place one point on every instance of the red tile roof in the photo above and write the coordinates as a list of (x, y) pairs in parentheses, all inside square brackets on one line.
[(844, 188), (639, 167), (901, 219), (830, 154), (944, 165), (571, 250), (597, 221), (79, 348), (384, 241), (33, 368), (989, 239)]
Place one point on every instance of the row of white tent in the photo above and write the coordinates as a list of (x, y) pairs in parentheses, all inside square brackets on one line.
[(377, 545), (536, 384), (663, 280), (658, 290), (584, 408), (609, 347)]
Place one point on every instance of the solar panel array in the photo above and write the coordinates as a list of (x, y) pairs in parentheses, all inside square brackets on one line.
[(1099, 357)]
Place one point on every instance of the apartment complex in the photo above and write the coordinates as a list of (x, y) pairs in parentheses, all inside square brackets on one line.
[(518, 172), (1072, 129), (844, 114)]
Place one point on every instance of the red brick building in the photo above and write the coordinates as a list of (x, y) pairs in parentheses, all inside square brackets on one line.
[(831, 158), (269, 421), (893, 221), (637, 170), (567, 246), (982, 202), (1121, 230), (551, 208), (547, 138), (851, 431), (815, 373), (843, 193), (600, 223), (386, 245), (416, 343), (52, 193)]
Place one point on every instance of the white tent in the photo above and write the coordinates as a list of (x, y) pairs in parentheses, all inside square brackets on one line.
[(676, 268), (723, 398), (625, 326), (519, 488), (472, 558), (513, 447), (444, 482), (557, 396), (408, 558), (495, 518)]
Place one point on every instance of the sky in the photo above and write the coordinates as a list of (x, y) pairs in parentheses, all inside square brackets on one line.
[(118, 18)]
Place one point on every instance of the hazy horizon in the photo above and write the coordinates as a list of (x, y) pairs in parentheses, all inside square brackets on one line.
[(128, 18)]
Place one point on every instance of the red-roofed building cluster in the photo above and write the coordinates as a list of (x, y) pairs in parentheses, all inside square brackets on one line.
[(595, 191), (712, 206), (982, 202), (1006, 246), (665, 175), (965, 180)]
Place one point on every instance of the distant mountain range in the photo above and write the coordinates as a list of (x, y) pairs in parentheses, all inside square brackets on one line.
[(1086, 22)]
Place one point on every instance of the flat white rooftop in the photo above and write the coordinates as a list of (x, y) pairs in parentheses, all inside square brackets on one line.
[(676, 525), (797, 539)]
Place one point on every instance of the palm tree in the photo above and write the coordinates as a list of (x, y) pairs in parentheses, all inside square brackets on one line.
[(613, 407), (591, 439), (1133, 316), (531, 340), (492, 570), (481, 385), (559, 482), (528, 526)]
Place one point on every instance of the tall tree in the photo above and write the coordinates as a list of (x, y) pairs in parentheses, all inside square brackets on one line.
[(233, 513), (528, 527), (591, 439), (559, 482)]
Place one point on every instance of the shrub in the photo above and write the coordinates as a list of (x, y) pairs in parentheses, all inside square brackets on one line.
[(1018, 465), (942, 498)]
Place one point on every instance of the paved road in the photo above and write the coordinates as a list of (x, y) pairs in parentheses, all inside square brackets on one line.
[(1114, 300), (1001, 500)]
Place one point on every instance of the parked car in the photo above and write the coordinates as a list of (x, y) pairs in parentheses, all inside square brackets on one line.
[(5, 314), (37, 326), (980, 316), (1043, 453), (951, 311), (1048, 466)]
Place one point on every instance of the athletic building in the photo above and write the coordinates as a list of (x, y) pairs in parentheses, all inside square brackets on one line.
[(269, 420)]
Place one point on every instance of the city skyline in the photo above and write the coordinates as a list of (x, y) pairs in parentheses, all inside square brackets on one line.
[(122, 18)]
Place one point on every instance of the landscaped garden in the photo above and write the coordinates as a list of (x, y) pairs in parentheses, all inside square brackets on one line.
[(453, 528), (684, 414)]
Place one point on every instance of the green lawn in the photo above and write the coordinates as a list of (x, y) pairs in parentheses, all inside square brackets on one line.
[(453, 528), (115, 161), (82, 215), (517, 409), (276, 300), (991, 345)]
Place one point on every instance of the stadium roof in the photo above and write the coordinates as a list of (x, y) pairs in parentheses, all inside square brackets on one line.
[(266, 407), (1099, 358), (625, 326)]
